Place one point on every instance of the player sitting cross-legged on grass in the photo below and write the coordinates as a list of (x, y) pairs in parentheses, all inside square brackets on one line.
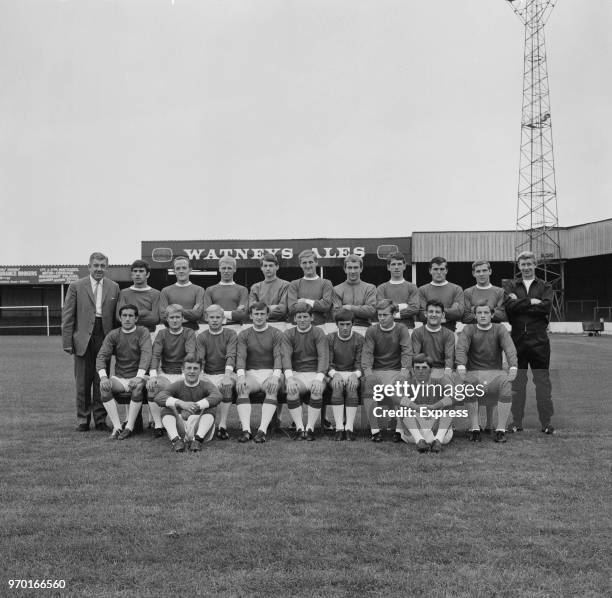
[(306, 361), (169, 349), (344, 373), (386, 358), (216, 349), (479, 361), (188, 408), (259, 362), (131, 346), (428, 432)]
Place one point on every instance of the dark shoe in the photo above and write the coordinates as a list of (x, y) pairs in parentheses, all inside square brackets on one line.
[(178, 445), (245, 436), (514, 428), (309, 435), (300, 435), (436, 446), (83, 428), (422, 446), (475, 436), (125, 434), (500, 436), (103, 428), (158, 432), (350, 435), (115, 434), (397, 437), (222, 434), (339, 435), (327, 425), (377, 437), (548, 429), (260, 437), (195, 445)]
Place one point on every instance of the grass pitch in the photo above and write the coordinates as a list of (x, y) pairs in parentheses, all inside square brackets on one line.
[(529, 518)]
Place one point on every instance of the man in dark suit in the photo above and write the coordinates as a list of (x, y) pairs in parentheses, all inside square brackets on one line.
[(87, 317)]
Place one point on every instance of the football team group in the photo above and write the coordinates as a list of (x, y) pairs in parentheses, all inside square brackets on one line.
[(194, 352)]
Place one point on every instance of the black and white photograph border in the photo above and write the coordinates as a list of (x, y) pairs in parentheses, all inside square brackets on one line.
[(380, 165)]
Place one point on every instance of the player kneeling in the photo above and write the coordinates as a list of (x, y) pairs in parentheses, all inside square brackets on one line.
[(259, 361), (480, 349), (131, 346), (188, 408), (344, 373), (428, 430)]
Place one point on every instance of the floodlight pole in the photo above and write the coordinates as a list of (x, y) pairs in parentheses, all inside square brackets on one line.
[(537, 223)]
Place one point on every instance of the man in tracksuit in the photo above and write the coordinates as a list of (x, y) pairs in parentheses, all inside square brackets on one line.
[(528, 307)]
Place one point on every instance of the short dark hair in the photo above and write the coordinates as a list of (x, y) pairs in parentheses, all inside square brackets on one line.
[(482, 303), (422, 358), (140, 264), (268, 257), (397, 256), (435, 303), (191, 358), (128, 306), (438, 261), (344, 315), (259, 305), (301, 308)]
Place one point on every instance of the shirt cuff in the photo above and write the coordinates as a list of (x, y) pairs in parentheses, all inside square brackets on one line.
[(276, 373), (171, 402), (320, 376), (229, 369), (240, 372), (357, 374), (153, 373), (227, 314), (141, 373), (460, 367), (288, 373), (310, 302), (331, 373), (396, 316), (203, 404), (102, 374)]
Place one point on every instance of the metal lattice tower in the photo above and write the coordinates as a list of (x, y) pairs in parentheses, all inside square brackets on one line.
[(536, 219)]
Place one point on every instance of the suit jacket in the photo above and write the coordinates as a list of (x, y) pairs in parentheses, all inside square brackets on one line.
[(79, 313)]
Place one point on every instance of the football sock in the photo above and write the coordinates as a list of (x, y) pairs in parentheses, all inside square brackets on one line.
[(412, 426), (244, 413), (503, 413), (375, 430), (296, 416), (223, 412), (169, 423), (313, 416), (444, 424), (351, 413), (490, 423), (155, 411), (267, 413), (207, 421), (133, 411), (338, 411), (472, 409), (113, 413)]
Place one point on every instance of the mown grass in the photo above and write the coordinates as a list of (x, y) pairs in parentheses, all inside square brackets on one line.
[(529, 518)]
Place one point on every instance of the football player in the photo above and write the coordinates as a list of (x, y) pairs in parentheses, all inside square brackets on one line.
[(216, 348), (140, 294), (447, 293), (131, 346), (305, 361), (272, 291), (386, 358), (185, 293), (403, 293), (232, 297), (344, 373), (169, 350), (188, 408), (259, 367)]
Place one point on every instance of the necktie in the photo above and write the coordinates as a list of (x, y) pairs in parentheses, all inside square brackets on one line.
[(96, 294)]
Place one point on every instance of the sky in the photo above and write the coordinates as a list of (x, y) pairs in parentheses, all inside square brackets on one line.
[(131, 120)]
